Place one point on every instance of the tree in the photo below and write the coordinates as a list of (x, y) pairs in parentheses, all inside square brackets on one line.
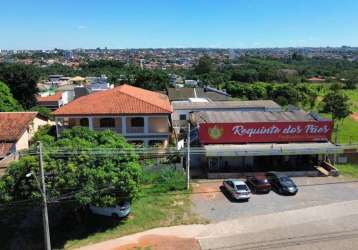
[(336, 86), (22, 81), (297, 57), (152, 79), (7, 102), (78, 166), (337, 104), (45, 112), (245, 75), (204, 66), (285, 94), (351, 84)]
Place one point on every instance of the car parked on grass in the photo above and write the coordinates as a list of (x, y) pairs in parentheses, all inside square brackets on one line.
[(258, 183), (119, 211), (282, 183), (237, 189)]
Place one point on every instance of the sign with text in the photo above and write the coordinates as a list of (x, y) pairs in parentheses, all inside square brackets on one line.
[(224, 133)]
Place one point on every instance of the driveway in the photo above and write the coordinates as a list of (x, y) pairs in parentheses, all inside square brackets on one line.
[(212, 204)]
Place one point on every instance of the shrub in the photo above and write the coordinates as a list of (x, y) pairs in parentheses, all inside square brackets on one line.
[(164, 179)]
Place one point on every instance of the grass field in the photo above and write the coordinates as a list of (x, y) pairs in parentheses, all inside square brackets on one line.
[(347, 130), (353, 96), (350, 170), (149, 211)]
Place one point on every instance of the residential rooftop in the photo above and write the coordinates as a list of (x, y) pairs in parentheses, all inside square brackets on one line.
[(14, 124), (124, 99), (50, 98)]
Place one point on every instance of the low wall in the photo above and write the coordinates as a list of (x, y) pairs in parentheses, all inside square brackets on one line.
[(312, 173)]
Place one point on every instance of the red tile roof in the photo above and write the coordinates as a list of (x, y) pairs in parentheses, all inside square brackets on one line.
[(13, 124), (317, 79), (124, 99), (52, 98)]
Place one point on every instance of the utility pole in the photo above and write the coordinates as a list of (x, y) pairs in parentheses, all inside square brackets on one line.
[(188, 159), (44, 206)]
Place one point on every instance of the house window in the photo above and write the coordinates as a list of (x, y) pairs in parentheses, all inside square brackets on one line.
[(84, 122), (137, 122), (107, 123), (182, 117)]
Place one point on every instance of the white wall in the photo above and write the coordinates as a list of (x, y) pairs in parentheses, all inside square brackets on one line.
[(23, 142)]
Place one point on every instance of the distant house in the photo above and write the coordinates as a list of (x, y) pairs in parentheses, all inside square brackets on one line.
[(192, 83), (58, 80), (98, 83), (316, 79), (141, 116), (55, 100), (17, 130)]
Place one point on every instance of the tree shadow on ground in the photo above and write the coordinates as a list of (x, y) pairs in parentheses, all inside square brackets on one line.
[(26, 232)]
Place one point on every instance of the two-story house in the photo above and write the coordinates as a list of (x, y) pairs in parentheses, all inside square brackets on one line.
[(141, 116)]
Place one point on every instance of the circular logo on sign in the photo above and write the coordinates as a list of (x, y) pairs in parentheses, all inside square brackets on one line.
[(215, 132)]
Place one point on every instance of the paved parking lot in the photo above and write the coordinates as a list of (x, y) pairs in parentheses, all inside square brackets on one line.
[(210, 202)]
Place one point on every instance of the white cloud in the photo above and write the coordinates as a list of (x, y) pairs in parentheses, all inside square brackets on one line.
[(81, 27)]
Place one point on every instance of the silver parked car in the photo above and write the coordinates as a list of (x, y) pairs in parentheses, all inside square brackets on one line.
[(237, 188), (119, 211)]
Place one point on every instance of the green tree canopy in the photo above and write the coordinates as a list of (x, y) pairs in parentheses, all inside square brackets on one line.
[(152, 79), (7, 102), (22, 81), (204, 66), (45, 112), (78, 166), (337, 104)]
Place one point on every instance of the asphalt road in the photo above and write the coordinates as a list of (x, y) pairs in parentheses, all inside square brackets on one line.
[(341, 233), (323, 215), (210, 202)]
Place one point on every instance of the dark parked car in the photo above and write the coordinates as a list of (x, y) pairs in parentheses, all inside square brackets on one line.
[(282, 183), (258, 183)]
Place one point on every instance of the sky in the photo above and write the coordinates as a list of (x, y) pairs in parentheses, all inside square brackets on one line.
[(70, 24)]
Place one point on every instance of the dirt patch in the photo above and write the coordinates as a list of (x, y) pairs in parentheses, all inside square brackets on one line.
[(207, 190), (355, 116), (155, 242)]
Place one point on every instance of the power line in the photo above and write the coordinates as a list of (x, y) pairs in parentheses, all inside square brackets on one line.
[(67, 199)]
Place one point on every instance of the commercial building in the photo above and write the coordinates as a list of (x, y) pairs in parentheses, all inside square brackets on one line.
[(182, 109), (255, 141), (141, 116)]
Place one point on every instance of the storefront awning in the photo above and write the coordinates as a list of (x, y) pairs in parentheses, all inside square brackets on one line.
[(261, 149)]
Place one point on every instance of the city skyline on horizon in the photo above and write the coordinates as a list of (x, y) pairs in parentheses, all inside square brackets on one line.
[(142, 24), (164, 48)]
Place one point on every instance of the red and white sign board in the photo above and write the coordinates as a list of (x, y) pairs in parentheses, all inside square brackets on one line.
[(231, 133)]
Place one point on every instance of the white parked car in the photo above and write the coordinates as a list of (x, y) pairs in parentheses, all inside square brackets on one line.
[(119, 211), (238, 189)]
